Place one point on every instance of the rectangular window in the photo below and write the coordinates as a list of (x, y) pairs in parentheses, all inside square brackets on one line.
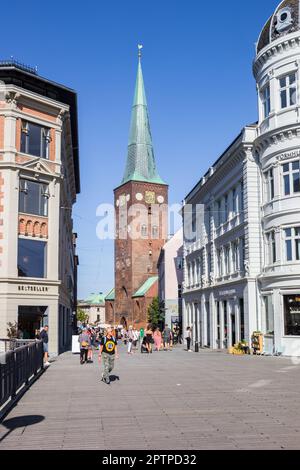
[(220, 262), (269, 315), (234, 202), (266, 101), (242, 198), (271, 248), (227, 260), (35, 140), (291, 178), (288, 91), (32, 258), (225, 208), (33, 197), (292, 315), (269, 178), (292, 243), (219, 217)]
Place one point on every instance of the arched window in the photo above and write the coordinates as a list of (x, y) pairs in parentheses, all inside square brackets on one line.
[(144, 230), (155, 232)]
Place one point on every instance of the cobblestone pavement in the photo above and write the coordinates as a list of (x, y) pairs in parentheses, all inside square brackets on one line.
[(167, 401)]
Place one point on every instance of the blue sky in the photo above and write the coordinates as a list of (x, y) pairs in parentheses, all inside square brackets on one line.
[(197, 64)]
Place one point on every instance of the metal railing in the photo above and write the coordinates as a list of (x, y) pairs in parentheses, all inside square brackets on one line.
[(10, 344), (18, 367), (15, 63)]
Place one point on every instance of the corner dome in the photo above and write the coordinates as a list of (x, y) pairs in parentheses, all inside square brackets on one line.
[(285, 20)]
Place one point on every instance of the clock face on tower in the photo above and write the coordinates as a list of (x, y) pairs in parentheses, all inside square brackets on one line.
[(150, 197), (122, 200)]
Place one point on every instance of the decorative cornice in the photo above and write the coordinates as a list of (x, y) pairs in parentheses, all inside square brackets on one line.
[(276, 137), (273, 50)]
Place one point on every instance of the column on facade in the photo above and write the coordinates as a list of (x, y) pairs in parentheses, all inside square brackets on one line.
[(222, 324), (202, 321), (10, 188), (55, 214), (213, 321), (277, 303), (237, 314), (229, 323), (252, 212), (278, 244)]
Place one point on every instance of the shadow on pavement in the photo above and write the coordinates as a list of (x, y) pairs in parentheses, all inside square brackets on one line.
[(113, 378), (20, 422)]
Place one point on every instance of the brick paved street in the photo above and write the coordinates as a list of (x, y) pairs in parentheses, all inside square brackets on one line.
[(168, 401)]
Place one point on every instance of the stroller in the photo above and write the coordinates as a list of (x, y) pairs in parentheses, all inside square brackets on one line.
[(144, 349)]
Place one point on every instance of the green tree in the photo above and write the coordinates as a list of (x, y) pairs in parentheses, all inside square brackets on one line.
[(82, 316), (12, 330), (155, 313)]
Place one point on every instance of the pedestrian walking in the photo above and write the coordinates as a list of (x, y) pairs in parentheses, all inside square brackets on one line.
[(149, 339), (188, 338), (142, 334), (136, 336), (44, 337), (85, 342), (90, 348), (108, 352), (157, 339), (130, 340), (167, 337)]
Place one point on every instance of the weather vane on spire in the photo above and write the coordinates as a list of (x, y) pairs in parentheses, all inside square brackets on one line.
[(140, 47)]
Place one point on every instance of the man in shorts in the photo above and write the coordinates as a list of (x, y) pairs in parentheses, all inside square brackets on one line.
[(45, 339), (107, 353)]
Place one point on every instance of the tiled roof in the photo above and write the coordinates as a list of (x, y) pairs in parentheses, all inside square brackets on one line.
[(142, 291), (110, 295)]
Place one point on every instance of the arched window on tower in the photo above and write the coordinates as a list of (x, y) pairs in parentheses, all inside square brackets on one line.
[(155, 232), (144, 230)]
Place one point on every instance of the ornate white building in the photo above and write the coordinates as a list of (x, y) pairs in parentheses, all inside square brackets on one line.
[(39, 182), (242, 267)]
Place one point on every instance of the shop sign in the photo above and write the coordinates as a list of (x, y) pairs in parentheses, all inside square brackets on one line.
[(227, 293), (288, 155), (43, 289)]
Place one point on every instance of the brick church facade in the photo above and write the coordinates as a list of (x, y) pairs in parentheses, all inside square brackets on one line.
[(141, 210)]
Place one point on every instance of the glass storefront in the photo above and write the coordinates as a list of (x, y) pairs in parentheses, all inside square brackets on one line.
[(292, 315)]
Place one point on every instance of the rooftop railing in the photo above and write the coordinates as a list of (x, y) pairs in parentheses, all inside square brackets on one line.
[(19, 65)]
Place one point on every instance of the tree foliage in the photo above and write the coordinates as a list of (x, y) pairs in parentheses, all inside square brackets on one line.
[(82, 316), (155, 313)]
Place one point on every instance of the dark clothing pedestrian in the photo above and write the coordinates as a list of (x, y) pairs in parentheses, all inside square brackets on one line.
[(85, 342)]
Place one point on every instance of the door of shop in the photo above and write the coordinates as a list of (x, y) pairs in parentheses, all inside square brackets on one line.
[(233, 330), (31, 319)]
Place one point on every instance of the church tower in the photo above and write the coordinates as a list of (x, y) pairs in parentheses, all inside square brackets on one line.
[(141, 208)]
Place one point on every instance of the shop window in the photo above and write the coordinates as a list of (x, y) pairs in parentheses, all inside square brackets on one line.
[(269, 315), (35, 140), (242, 319), (33, 197), (31, 258), (292, 315)]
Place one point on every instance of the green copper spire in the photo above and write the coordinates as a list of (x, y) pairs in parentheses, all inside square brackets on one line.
[(140, 158)]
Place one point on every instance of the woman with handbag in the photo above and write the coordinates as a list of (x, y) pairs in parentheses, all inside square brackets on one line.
[(85, 342)]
